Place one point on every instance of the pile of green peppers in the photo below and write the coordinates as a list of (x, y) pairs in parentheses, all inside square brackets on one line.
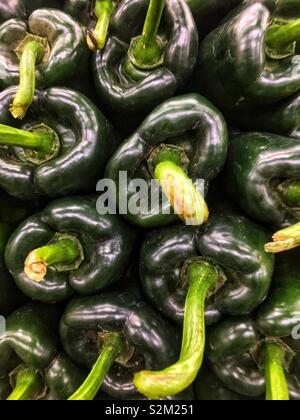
[(103, 297)]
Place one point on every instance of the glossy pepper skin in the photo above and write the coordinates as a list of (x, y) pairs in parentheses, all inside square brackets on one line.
[(66, 58), (258, 164), (106, 241), (282, 118), (12, 212), (86, 143), (130, 97), (22, 8), (189, 122), (31, 340), (234, 70), (152, 341), (208, 387), (233, 243)]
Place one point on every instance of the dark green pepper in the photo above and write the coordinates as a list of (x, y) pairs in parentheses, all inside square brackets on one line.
[(282, 118), (263, 176), (69, 247), (126, 332), (182, 264), (250, 60), (64, 144), (252, 364), (234, 347), (208, 387), (135, 74), (21, 8), (48, 50), (31, 335), (182, 141)]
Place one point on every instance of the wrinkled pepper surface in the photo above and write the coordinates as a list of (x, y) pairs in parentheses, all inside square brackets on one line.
[(182, 141), (251, 59), (262, 176), (62, 148), (69, 247)]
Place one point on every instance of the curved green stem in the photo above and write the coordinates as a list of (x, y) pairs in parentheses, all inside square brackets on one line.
[(284, 239), (103, 11), (176, 378), (65, 253), (184, 197), (290, 193), (29, 383), (113, 346), (277, 388), (146, 51), (39, 141), (31, 52), (281, 38)]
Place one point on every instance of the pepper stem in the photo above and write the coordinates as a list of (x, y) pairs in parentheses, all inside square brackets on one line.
[(285, 239), (31, 52), (42, 142), (64, 252), (281, 38), (277, 388), (184, 197), (28, 383), (146, 51), (176, 378), (290, 193), (103, 11), (113, 346)]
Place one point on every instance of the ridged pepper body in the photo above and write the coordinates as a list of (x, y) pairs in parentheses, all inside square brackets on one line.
[(106, 241), (234, 69), (86, 143), (68, 53), (257, 164)]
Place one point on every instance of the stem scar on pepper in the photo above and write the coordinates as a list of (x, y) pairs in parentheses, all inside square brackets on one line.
[(103, 10), (281, 38), (202, 276), (37, 146), (32, 51), (146, 51), (64, 252), (29, 384)]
